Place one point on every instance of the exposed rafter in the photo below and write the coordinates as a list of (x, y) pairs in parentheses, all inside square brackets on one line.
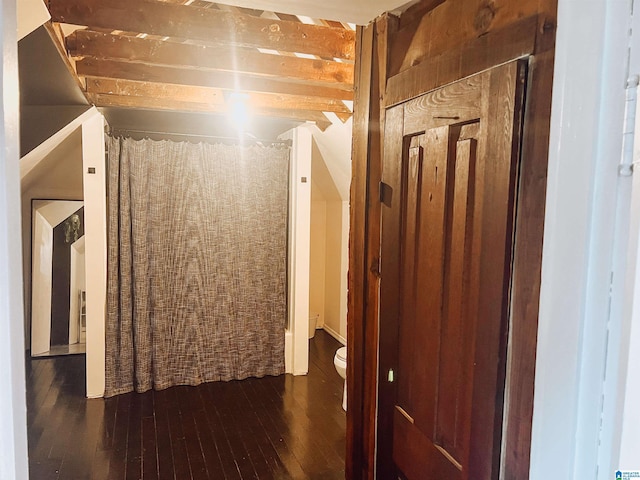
[(213, 96), (170, 55), (205, 24), (89, 67), (87, 43), (127, 101)]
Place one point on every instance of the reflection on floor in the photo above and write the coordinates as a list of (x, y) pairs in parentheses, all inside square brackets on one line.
[(272, 428), (55, 350)]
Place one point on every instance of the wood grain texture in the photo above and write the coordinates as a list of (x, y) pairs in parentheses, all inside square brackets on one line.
[(417, 11), (458, 21), (87, 43), (505, 103), (526, 267), (493, 48), (210, 98), (166, 45), (206, 96), (217, 26), (277, 428), (457, 255), (356, 452), (123, 101), (89, 67), (458, 102), (425, 338), (430, 459), (390, 295), (408, 398), (482, 36), (253, 100), (458, 325), (384, 26), (364, 265)]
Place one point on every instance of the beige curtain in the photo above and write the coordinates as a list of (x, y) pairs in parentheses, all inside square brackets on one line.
[(196, 263)]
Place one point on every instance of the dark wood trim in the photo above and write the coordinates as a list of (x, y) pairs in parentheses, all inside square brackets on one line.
[(384, 26), (514, 37), (355, 467), (389, 297), (416, 11), (514, 41), (527, 261), (527, 250), (364, 268)]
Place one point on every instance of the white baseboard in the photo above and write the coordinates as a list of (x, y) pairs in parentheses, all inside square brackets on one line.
[(288, 352), (335, 334)]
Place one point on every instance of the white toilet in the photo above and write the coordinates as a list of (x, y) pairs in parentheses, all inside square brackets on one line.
[(340, 361)]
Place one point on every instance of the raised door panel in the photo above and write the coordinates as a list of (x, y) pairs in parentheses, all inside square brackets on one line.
[(455, 214)]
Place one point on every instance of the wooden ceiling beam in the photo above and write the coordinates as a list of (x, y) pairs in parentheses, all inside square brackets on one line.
[(212, 96), (181, 21), (87, 43), (344, 116), (89, 67), (182, 93), (127, 101)]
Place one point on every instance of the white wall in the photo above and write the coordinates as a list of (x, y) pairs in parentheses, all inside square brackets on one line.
[(335, 321), (625, 425), (317, 251), (58, 168), (334, 144), (51, 170), (31, 14), (297, 338), (584, 217), (344, 271), (331, 164), (621, 422), (57, 176), (95, 231), (13, 418)]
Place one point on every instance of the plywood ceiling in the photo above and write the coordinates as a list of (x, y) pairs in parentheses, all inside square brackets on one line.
[(199, 56)]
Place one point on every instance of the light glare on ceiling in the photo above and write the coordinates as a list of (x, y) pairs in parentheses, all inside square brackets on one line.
[(238, 110)]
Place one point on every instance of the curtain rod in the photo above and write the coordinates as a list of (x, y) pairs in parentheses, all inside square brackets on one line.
[(124, 132)]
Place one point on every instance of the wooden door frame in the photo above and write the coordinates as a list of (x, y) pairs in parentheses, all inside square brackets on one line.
[(532, 37)]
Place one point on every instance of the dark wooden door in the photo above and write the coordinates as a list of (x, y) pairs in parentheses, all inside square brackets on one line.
[(451, 161)]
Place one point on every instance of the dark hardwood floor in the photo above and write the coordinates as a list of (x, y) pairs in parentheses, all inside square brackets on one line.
[(272, 428)]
